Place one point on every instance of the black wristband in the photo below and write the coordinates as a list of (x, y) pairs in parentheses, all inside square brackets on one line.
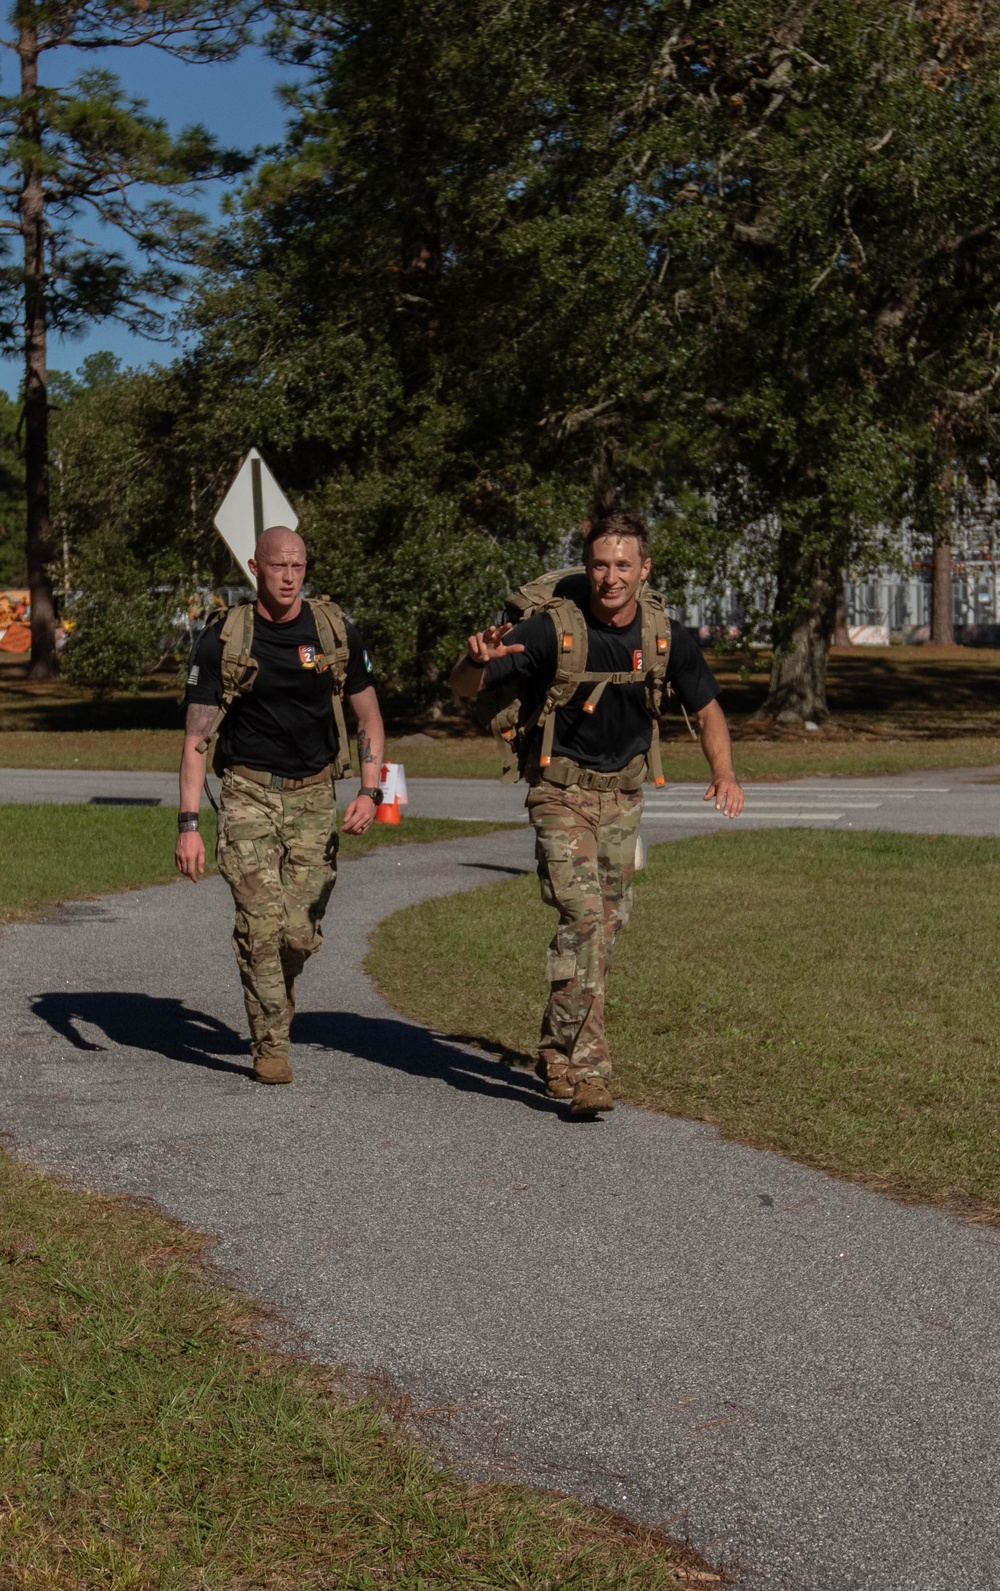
[(187, 828), (187, 817)]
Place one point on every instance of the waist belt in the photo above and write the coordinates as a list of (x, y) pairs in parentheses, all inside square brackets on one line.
[(564, 771), (277, 781)]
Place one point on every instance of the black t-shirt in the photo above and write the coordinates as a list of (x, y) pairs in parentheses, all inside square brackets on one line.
[(285, 724), (620, 726)]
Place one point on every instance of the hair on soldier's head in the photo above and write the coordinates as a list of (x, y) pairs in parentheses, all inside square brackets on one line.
[(619, 526)]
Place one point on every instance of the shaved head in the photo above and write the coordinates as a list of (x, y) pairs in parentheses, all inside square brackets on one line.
[(278, 536), (279, 567)]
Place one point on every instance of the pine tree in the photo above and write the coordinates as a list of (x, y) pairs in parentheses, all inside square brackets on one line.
[(89, 154)]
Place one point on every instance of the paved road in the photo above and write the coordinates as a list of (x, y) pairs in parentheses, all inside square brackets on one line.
[(800, 1374), (957, 801)]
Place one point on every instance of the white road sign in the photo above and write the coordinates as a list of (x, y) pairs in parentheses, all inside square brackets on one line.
[(252, 505)]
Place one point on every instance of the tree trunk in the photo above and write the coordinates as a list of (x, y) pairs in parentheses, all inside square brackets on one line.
[(603, 477), (841, 634), (422, 222), (36, 395), (803, 623), (942, 621)]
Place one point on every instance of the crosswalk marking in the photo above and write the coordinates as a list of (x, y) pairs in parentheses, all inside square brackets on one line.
[(872, 803), (753, 804), (780, 815)]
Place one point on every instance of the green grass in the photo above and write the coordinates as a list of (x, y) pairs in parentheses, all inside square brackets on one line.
[(151, 1440), (57, 853), (831, 996), (158, 751), (797, 756), (896, 709)]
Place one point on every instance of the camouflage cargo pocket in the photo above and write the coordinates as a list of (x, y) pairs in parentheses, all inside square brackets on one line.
[(554, 863), (560, 966), (246, 845)]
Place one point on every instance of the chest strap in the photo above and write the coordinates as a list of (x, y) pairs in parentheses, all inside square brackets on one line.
[(546, 715)]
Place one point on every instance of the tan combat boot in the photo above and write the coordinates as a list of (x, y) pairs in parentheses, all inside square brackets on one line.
[(591, 1095), (552, 1068), (271, 1069)]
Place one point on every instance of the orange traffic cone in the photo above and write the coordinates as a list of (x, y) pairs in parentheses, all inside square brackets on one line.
[(393, 785)]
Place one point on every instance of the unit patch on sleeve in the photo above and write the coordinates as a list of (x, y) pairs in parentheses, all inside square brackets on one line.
[(193, 676), (369, 665)]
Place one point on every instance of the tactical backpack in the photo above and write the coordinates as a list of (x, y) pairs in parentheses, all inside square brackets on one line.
[(563, 594), (239, 669)]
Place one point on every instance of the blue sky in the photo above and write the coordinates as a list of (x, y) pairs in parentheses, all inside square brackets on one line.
[(235, 100)]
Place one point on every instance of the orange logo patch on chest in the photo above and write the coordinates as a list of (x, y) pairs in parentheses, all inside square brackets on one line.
[(307, 656), (637, 661)]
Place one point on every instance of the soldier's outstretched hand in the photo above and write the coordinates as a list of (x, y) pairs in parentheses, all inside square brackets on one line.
[(488, 644)]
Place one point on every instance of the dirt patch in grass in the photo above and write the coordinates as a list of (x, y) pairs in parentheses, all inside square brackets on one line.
[(153, 1437), (832, 996)]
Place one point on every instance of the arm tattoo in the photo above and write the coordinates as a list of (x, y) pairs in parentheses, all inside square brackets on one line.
[(200, 718), (365, 749)]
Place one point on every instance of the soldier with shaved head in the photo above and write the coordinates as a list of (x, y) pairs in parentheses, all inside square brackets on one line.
[(269, 680)]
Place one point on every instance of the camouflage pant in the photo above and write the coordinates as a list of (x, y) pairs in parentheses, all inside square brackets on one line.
[(585, 850), (277, 851)]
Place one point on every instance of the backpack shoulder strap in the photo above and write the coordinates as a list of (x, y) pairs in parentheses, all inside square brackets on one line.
[(238, 666), (331, 632), (655, 638), (572, 647), (655, 656)]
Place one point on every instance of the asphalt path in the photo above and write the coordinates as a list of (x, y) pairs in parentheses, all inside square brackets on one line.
[(799, 1375), (953, 801)]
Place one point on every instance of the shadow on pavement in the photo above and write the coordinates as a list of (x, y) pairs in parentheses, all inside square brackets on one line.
[(141, 1022), (495, 867), (169, 1028), (495, 1047), (406, 1048)]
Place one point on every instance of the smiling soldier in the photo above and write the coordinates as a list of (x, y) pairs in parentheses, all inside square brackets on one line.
[(585, 736), (270, 678)]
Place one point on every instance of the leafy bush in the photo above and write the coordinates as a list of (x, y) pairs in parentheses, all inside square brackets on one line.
[(120, 619)]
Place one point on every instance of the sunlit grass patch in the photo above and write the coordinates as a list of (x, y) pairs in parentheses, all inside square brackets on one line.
[(475, 757), (56, 853), (832, 996)]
